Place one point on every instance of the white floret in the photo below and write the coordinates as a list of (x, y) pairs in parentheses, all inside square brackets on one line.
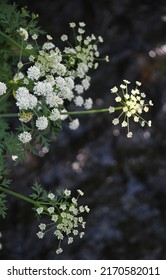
[(73, 125), (55, 115), (43, 88), (42, 123), (25, 137), (25, 100), (33, 73), (79, 101), (3, 88), (88, 103)]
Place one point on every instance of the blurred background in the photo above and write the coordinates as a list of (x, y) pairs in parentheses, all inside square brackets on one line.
[(124, 180)]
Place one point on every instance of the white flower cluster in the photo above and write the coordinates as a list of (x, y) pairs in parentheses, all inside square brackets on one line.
[(131, 104), (42, 123), (66, 217), (83, 57), (23, 33), (25, 137), (25, 100), (33, 73), (55, 77), (74, 124), (3, 88)]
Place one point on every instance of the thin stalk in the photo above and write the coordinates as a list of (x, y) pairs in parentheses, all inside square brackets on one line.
[(18, 195), (86, 112), (68, 113), (27, 199), (5, 95), (10, 115), (13, 42), (90, 111)]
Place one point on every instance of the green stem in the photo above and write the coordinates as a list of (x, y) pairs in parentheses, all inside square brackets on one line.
[(13, 42), (87, 112), (27, 199), (68, 113), (10, 115), (90, 111), (5, 190)]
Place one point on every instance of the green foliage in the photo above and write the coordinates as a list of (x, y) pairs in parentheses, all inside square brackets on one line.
[(3, 207), (44, 141), (5, 107), (39, 194), (3, 128), (3, 166), (5, 182), (9, 144), (11, 19)]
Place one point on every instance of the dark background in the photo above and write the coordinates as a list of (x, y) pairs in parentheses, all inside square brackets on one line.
[(124, 180)]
